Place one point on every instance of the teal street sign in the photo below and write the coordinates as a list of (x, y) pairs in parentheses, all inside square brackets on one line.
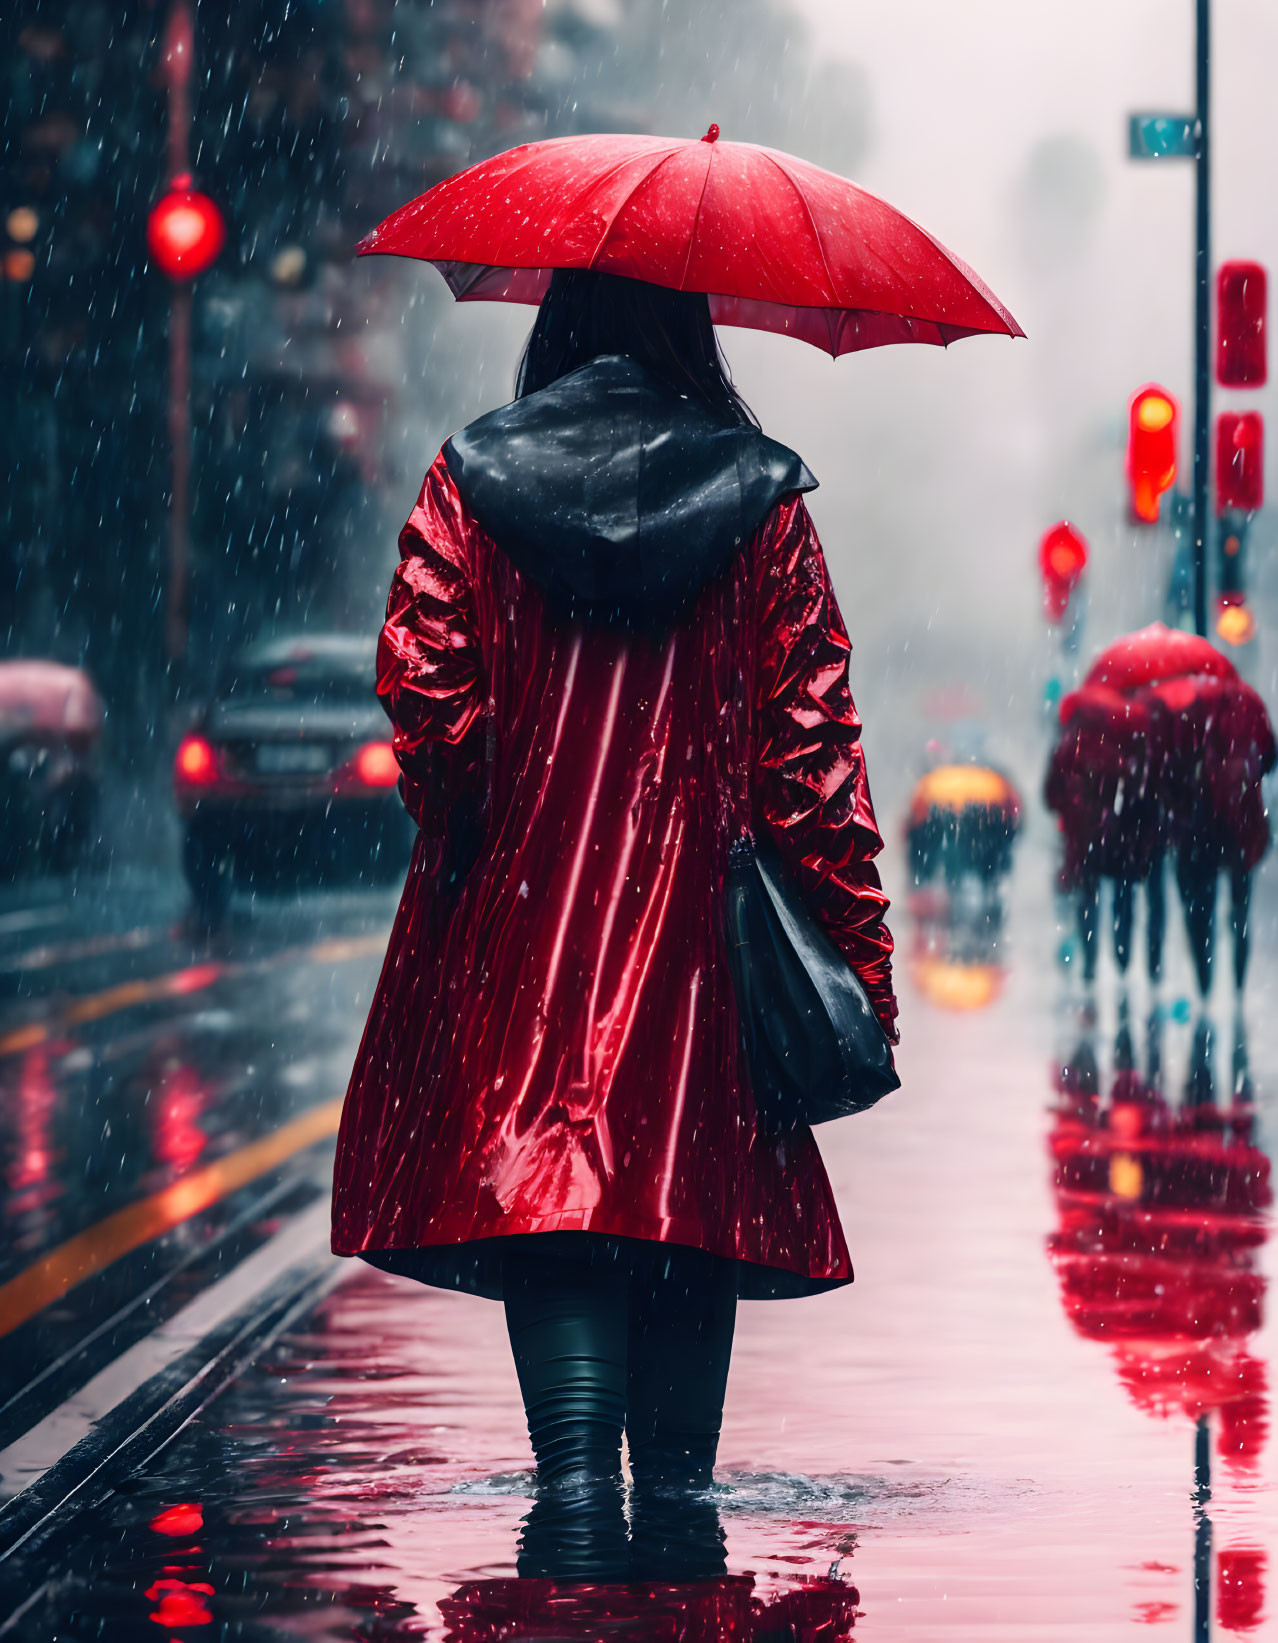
[(1162, 136)]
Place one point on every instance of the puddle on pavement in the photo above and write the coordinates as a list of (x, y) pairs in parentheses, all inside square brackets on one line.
[(1041, 1413)]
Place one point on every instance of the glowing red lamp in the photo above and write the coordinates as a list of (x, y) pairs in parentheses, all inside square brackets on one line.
[(195, 763), (376, 765), (1240, 325), (185, 232), (1153, 423), (1240, 461), (1062, 559)]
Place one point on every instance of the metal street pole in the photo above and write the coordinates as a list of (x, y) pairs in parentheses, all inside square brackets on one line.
[(179, 51), (1202, 1531), (1202, 308)]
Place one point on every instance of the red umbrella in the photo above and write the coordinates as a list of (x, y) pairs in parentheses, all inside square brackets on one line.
[(1154, 653), (776, 243)]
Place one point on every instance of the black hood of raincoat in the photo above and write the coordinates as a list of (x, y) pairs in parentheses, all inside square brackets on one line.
[(619, 497)]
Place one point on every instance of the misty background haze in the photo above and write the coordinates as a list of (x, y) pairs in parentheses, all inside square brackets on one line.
[(323, 385), (1002, 129)]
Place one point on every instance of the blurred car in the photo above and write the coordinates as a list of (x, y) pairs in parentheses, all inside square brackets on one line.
[(287, 774), (50, 740)]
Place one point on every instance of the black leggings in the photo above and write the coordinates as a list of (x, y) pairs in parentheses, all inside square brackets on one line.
[(611, 1334)]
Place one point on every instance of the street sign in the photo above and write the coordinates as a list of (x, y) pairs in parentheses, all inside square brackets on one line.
[(1162, 136)]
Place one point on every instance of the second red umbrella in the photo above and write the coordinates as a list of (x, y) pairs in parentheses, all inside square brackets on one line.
[(777, 244), (1154, 653)]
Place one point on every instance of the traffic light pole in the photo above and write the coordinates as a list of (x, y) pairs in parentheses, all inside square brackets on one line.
[(1202, 308), (179, 50)]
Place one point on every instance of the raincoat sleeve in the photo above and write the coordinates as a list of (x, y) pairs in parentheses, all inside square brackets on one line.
[(430, 671), (811, 788)]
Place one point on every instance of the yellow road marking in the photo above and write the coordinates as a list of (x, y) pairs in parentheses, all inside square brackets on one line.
[(24, 1038), (128, 995), (94, 1249)]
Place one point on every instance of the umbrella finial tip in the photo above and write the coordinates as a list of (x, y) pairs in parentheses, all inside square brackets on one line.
[(711, 136)]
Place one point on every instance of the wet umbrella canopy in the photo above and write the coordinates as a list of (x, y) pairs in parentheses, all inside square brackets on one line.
[(776, 243), (1154, 653)]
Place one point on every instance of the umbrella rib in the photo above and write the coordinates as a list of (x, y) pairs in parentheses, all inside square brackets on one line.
[(807, 212), (612, 221), (878, 258), (696, 218)]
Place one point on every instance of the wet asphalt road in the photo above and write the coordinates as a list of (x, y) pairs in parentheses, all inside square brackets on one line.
[(1041, 1413), (140, 1064)]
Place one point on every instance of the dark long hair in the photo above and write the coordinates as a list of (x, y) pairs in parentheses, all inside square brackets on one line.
[(584, 314)]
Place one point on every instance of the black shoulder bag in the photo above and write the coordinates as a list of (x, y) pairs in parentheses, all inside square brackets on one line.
[(813, 1045)]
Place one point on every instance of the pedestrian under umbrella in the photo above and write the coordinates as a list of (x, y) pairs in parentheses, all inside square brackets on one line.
[(613, 653), (1193, 741), (1216, 745), (1098, 785)]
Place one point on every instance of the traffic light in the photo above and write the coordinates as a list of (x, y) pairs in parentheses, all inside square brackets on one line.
[(1235, 623), (1240, 325), (185, 231), (1153, 423), (1240, 462), (1062, 559)]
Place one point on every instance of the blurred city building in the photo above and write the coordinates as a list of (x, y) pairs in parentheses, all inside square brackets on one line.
[(310, 123)]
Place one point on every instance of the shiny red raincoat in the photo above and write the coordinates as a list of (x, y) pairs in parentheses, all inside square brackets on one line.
[(553, 1044)]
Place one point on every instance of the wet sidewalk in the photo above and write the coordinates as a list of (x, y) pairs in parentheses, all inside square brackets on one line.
[(1040, 1413)]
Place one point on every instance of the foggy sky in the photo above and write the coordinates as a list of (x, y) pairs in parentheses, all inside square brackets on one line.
[(1001, 127)]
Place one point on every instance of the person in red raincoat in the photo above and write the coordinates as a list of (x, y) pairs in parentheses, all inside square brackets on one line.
[(611, 648)]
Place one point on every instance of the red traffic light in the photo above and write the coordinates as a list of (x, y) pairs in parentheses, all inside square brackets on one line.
[(1153, 423), (185, 232), (1062, 559), (1240, 461), (1240, 325)]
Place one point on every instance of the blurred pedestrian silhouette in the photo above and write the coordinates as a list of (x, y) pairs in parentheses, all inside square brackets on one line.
[(1162, 750), (962, 825)]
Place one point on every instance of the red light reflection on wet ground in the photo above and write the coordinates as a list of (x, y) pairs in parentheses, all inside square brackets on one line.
[(991, 1436), (178, 1139), (181, 1603), (180, 1521), (32, 1153)]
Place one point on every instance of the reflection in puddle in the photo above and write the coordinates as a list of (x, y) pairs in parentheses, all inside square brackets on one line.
[(344, 1490), (727, 1608), (968, 1446), (1161, 1221)]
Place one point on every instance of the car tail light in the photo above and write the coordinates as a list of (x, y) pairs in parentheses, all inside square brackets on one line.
[(195, 764), (375, 765)]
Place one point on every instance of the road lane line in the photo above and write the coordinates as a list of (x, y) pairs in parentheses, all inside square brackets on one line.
[(150, 1293), (31, 918), (74, 952), (27, 1458), (94, 1249), (127, 995)]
